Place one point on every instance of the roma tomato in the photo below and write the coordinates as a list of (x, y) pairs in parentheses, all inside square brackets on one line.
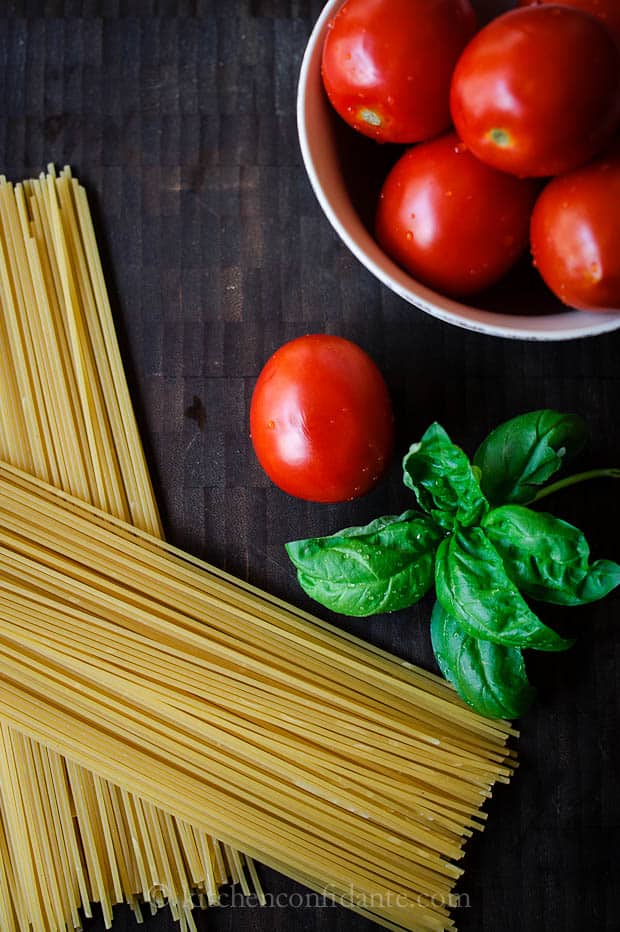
[(387, 64), (321, 419), (454, 223), (537, 91), (575, 236), (608, 11)]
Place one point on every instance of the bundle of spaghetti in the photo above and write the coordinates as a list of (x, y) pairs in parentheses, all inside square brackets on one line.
[(320, 755), (68, 837)]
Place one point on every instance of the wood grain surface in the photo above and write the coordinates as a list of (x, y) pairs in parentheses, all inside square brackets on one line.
[(179, 118)]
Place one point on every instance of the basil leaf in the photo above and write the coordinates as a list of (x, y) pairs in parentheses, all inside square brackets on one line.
[(473, 585), (489, 677), (382, 567), (522, 454), (547, 558), (443, 480)]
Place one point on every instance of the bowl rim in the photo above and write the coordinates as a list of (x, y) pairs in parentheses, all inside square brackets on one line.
[(569, 325)]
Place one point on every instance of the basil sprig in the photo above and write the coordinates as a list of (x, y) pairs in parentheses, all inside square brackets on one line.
[(484, 550)]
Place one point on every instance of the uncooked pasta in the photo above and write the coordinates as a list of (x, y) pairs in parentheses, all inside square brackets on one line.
[(304, 747), (67, 837)]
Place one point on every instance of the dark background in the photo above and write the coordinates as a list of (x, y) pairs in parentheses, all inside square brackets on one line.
[(179, 118)]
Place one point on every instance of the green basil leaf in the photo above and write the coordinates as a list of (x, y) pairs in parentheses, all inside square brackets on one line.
[(382, 567), (473, 585), (443, 480), (547, 558), (489, 677), (522, 454)]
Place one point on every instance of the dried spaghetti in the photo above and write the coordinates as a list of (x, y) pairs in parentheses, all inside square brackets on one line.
[(67, 837), (305, 747)]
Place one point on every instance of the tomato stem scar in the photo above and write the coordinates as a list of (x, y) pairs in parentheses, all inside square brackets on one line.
[(370, 116), (501, 137)]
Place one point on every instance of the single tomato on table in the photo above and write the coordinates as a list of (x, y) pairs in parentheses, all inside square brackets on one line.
[(608, 11), (576, 236), (387, 64), (321, 419), (454, 223), (537, 91)]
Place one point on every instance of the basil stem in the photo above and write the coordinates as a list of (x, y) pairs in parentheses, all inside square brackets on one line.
[(574, 480)]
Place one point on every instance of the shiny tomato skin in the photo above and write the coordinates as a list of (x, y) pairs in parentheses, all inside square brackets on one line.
[(387, 65), (576, 235), (321, 419), (454, 223), (537, 91), (608, 11)]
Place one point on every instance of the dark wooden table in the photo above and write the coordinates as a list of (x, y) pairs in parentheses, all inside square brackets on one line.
[(179, 117)]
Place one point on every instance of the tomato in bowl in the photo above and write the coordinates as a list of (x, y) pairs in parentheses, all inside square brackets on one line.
[(347, 171)]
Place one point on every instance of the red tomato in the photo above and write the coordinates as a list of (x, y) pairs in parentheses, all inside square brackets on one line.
[(453, 222), (608, 11), (387, 64), (537, 91), (576, 236), (321, 419)]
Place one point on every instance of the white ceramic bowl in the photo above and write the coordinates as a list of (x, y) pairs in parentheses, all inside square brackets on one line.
[(334, 155)]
